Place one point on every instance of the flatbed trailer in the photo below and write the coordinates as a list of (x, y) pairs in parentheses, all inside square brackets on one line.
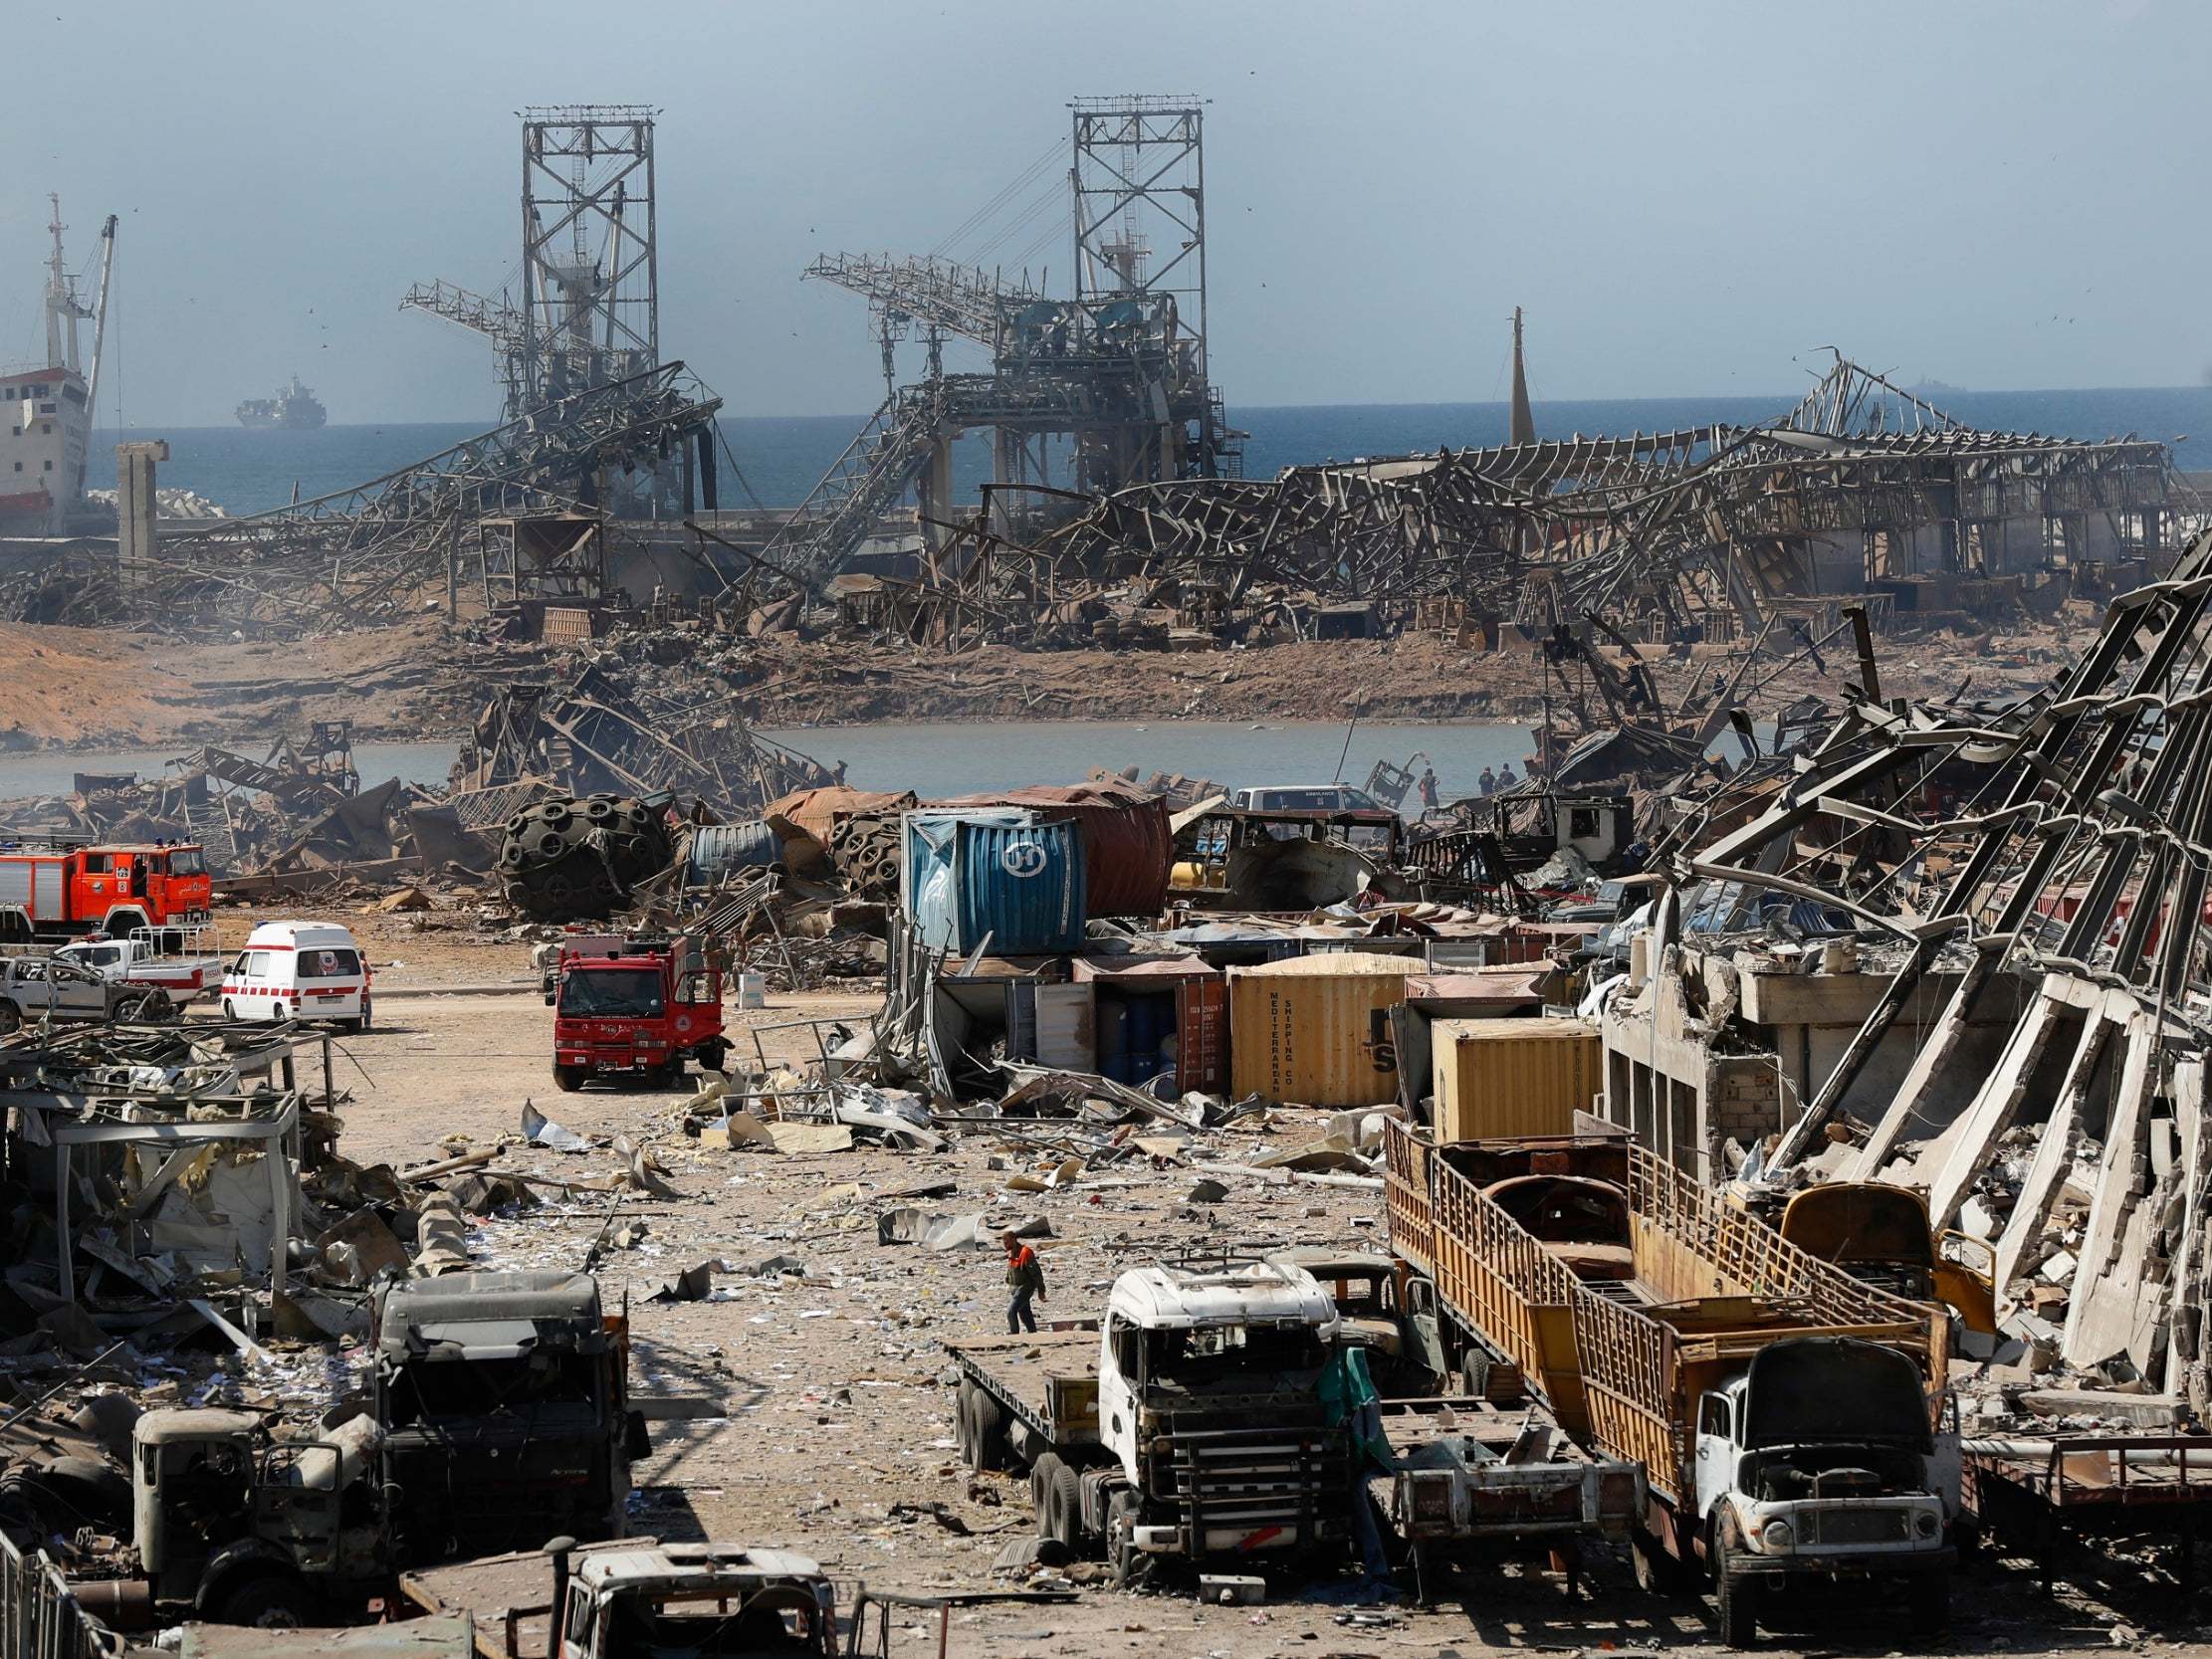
[(1471, 1475), (2045, 1491), (507, 1599), (1046, 1388)]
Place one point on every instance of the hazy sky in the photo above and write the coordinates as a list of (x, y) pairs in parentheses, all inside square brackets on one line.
[(1685, 198)]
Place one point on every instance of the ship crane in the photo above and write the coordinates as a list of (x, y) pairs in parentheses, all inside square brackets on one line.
[(504, 327), (100, 339)]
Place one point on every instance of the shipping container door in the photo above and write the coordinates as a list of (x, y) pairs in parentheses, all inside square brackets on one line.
[(1063, 1030), (1203, 1038)]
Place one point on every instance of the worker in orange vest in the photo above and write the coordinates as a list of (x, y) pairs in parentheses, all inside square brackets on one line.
[(1026, 1280)]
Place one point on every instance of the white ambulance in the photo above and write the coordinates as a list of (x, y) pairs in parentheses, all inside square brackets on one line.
[(299, 970)]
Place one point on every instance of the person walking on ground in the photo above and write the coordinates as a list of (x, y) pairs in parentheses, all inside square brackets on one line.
[(1025, 1279), (1487, 782), (1506, 779), (1429, 788)]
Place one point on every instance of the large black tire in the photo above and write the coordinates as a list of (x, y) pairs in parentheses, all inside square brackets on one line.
[(964, 1422), (1735, 1601), (11, 1018), (267, 1601), (993, 1452), (1474, 1373), (1657, 1573), (1064, 1506), (1927, 1604), (567, 1079), (1044, 1477)]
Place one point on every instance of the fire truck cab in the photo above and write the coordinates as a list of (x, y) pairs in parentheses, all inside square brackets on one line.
[(634, 1005), (65, 890)]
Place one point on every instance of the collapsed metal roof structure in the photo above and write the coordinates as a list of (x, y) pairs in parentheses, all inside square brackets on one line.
[(1701, 529), (2060, 891)]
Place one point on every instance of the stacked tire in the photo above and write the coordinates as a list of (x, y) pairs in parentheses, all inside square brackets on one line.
[(577, 860)]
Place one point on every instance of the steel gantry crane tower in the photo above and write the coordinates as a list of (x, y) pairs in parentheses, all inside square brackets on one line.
[(1118, 371), (591, 270)]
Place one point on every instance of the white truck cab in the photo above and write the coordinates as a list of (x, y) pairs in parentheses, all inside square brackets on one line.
[(299, 970), (1188, 1420), (1820, 1460), (1244, 1323)]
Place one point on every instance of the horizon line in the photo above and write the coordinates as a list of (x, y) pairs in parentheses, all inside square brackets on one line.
[(1436, 403)]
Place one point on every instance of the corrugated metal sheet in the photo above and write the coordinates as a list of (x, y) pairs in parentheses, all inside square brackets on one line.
[(717, 847), (1000, 874), (1315, 1030), (1128, 846), (1498, 1079)]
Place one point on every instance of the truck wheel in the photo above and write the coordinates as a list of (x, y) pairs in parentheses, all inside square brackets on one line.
[(1044, 1477), (1737, 1598), (714, 1056), (1131, 1564), (567, 1079), (1474, 1373), (964, 1422), (993, 1452), (11, 1018), (1657, 1573), (266, 1602), (1065, 1508), (1928, 1605)]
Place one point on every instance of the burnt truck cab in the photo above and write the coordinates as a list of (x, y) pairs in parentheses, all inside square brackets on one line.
[(504, 1399), (702, 1600), (1372, 1294), (1817, 1460), (1882, 1236), (235, 1528)]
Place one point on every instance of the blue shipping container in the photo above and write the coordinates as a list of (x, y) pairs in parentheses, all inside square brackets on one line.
[(1000, 874)]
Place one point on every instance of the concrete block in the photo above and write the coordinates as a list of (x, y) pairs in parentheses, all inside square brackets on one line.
[(1232, 1590), (2141, 1411)]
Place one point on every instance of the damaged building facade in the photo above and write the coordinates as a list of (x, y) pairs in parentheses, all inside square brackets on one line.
[(1964, 950)]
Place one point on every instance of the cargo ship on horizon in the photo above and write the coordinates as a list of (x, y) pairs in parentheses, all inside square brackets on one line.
[(293, 409)]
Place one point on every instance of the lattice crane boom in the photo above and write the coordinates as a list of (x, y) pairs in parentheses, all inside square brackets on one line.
[(937, 293)]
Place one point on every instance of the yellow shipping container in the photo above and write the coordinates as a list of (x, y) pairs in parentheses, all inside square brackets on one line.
[(1315, 1030), (1502, 1079)]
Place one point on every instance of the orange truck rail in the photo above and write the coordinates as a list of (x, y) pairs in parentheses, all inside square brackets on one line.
[(1709, 1286)]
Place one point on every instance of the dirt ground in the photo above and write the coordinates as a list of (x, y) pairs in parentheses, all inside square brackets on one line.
[(81, 688), (822, 1400)]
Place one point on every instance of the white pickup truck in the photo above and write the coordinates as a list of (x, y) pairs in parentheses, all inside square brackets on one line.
[(181, 962)]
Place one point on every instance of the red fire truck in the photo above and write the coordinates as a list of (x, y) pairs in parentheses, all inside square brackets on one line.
[(67, 891), (635, 1005)]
